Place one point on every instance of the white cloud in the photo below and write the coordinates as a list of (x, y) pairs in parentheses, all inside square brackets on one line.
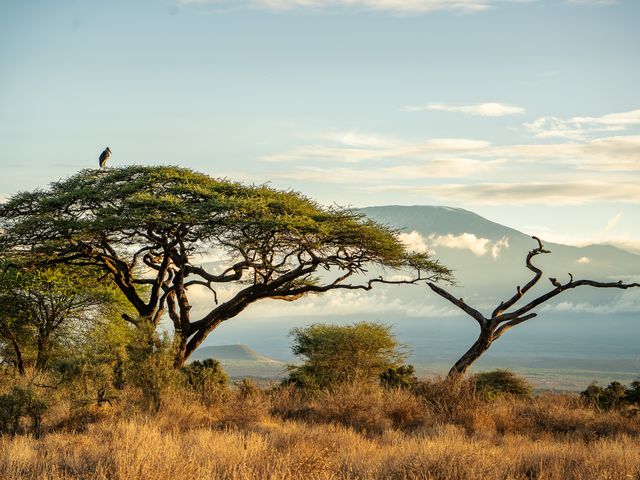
[(501, 244), (429, 169), (414, 242), (583, 261), (468, 241), (627, 302), (354, 148), (580, 127), (516, 193), (479, 246), (616, 153), (592, 2), (491, 109), (613, 221), (392, 6), (360, 140), (344, 303)]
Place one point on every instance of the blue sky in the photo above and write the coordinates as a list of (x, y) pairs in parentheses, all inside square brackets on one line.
[(527, 112)]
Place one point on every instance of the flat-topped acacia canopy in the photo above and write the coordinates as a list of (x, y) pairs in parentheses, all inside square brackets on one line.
[(145, 225)]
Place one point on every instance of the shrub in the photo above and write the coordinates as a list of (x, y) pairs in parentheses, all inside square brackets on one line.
[(336, 354), (19, 403), (403, 376), (207, 379), (150, 365), (614, 396), (501, 382)]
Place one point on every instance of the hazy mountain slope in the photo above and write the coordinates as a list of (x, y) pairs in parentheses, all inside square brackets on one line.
[(230, 352), (491, 276), (443, 220)]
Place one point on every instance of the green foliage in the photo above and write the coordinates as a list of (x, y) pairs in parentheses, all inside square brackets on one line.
[(633, 393), (207, 379), (614, 396), (336, 354), (94, 368), (45, 309), (18, 403), (150, 365), (143, 225), (403, 376), (501, 382)]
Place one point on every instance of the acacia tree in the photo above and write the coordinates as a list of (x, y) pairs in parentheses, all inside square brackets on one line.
[(146, 226), (507, 315)]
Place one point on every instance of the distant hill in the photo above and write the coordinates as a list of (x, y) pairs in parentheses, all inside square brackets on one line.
[(231, 352), (491, 276)]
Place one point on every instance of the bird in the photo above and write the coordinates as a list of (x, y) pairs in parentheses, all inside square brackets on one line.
[(555, 282), (104, 156)]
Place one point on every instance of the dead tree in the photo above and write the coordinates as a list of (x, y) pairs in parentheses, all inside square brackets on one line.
[(507, 315)]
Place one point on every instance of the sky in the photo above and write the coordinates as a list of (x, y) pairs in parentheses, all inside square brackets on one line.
[(525, 112)]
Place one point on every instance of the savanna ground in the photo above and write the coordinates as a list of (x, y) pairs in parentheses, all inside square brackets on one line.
[(439, 431)]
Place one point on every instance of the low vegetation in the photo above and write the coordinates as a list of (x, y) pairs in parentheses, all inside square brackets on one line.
[(353, 430), (111, 405)]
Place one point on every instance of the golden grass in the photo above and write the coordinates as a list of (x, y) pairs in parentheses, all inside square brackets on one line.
[(355, 432), (139, 448)]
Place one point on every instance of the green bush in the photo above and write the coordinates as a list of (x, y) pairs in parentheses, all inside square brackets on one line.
[(501, 382), (336, 354), (403, 376), (150, 365), (614, 396), (19, 403), (207, 379)]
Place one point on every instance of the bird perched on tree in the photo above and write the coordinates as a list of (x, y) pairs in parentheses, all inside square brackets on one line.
[(104, 156), (555, 282)]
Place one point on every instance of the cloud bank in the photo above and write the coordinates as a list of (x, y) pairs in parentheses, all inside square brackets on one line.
[(392, 6), (580, 127), (480, 109), (479, 246)]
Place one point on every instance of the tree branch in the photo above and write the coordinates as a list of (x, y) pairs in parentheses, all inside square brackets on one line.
[(459, 303), (521, 291)]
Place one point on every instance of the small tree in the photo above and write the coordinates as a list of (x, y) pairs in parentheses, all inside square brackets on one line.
[(336, 354), (46, 305), (505, 316)]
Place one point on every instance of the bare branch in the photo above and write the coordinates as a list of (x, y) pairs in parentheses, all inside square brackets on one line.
[(512, 323), (459, 303), (559, 289), (521, 291)]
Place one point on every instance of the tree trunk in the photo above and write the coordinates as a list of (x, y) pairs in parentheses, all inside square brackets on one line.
[(480, 346), (181, 351), (19, 360), (42, 357)]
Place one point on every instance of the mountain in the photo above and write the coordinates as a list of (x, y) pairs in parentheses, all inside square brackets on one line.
[(231, 353), (493, 261)]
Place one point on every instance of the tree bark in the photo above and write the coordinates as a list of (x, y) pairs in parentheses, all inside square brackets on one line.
[(42, 357), (19, 360), (480, 346)]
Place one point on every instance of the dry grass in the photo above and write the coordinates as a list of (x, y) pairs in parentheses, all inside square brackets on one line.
[(356, 432)]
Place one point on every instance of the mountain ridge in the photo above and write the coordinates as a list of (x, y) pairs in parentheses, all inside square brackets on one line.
[(472, 220)]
